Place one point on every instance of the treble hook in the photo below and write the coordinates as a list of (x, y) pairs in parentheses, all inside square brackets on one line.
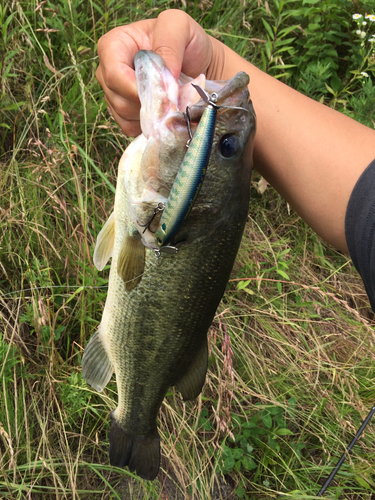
[(187, 117), (159, 208), (212, 99)]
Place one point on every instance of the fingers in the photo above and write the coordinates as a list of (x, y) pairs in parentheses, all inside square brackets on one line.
[(174, 35), (131, 128), (116, 50), (124, 111), (116, 74), (181, 42)]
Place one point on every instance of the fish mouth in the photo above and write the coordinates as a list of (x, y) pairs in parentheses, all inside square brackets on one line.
[(160, 94), (146, 57)]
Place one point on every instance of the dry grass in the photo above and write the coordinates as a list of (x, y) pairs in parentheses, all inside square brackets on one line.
[(291, 371)]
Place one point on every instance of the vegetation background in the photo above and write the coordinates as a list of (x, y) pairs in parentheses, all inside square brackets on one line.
[(292, 360)]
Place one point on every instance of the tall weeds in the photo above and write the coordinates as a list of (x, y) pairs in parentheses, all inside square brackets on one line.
[(291, 371)]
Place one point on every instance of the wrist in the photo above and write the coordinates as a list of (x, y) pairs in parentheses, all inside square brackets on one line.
[(215, 70), (225, 63)]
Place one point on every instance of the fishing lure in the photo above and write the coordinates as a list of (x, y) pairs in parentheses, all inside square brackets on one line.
[(192, 171)]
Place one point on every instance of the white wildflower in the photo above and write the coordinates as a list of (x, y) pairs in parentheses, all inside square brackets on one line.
[(357, 16), (364, 23), (358, 32), (371, 18), (372, 40), (363, 73), (363, 34)]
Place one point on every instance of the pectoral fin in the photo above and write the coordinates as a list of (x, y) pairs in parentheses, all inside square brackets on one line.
[(104, 243), (191, 384), (97, 368), (131, 260)]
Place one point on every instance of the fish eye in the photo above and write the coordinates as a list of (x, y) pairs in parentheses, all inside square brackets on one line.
[(229, 145)]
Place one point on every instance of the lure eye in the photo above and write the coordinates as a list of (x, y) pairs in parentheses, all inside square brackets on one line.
[(229, 145)]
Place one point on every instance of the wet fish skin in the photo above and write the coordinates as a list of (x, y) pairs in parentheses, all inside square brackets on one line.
[(154, 335)]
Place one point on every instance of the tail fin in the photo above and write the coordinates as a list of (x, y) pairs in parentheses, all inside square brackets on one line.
[(140, 453)]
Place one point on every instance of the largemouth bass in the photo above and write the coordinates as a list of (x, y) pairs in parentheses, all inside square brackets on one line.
[(153, 333)]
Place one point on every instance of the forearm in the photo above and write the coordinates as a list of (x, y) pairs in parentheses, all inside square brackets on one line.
[(311, 154)]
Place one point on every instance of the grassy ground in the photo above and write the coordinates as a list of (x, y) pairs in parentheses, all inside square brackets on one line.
[(292, 361)]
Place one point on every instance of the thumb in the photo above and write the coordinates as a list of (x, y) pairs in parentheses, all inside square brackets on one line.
[(170, 38)]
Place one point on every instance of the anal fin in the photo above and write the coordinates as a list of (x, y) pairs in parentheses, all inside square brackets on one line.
[(140, 453), (104, 243), (131, 260), (97, 368), (192, 382)]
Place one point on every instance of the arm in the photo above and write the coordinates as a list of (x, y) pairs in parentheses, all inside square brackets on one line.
[(311, 154)]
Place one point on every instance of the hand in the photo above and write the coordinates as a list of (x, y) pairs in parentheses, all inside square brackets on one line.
[(175, 36)]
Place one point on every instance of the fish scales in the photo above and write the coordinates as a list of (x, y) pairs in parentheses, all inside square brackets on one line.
[(153, 332), (158, 317)]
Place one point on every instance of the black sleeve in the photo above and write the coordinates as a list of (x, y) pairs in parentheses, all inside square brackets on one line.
[(360, 229)]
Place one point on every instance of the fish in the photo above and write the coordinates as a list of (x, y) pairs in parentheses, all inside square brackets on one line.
[(159, 307)]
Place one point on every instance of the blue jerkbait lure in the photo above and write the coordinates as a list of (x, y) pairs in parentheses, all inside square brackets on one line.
[(191, 174)]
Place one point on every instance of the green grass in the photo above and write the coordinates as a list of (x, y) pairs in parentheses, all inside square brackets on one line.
[(291, 371)]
